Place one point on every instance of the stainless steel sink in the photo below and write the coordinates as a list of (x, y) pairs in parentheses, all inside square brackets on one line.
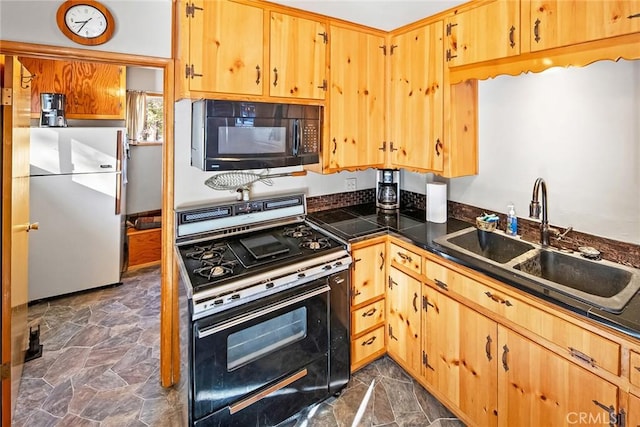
[(603, 284), (494, 246)]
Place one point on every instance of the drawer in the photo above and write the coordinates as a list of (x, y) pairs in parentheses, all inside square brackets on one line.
[(367, 345), (584, 346), (406, 258), (367, 317), (634, 368)]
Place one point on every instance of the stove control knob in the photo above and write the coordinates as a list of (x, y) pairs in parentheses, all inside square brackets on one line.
[(270, 285), (302, 276), (217, 302), (327, 267), (339, 263), (235, 296)]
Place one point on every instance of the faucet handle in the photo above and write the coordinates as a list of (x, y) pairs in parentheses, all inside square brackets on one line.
[(559, 235)]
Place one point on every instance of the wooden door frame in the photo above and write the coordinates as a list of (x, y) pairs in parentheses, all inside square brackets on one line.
[(169, 321)]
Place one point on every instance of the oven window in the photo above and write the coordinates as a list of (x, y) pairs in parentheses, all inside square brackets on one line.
[(259, 340), (251, 140)]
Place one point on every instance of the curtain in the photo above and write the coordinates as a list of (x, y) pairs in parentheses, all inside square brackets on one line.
[(136, 113)]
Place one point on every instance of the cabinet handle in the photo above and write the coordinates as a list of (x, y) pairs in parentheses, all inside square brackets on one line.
[(355, 292), (404, 257), (582, 357), (392, 282), (635, 15), (450, 56), (369, 313), (505, 352), (441, 284), (536, 31), (425, 361), (275, 77), (512, 31), (324, 85), (391, 147), (637, 368), (369, 341), (258, 74), (381, 261), (487, 347), (393, 46), (438, 147), (384, 146), (391, 334), (497, 299), (355, 261), (415, 301), (335, 146), (614, 418)]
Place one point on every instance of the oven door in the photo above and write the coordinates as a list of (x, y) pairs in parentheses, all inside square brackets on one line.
[(261, 362)]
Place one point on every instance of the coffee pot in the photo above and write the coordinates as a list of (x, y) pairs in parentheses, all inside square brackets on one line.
[(388, 189), (52, 107)]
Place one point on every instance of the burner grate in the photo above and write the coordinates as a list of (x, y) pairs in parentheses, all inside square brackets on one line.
[(315, 243), (206, 252), (215, 269), (299, 231)]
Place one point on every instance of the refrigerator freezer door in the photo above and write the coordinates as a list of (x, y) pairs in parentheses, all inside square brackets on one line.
[(73, 150), (79, 241)]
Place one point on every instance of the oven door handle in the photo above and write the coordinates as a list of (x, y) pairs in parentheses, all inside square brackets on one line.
[(205, 332)]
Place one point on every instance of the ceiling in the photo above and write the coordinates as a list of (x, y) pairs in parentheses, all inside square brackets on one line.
[(382, 14)]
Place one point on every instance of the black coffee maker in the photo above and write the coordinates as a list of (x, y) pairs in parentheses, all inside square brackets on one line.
[(52, 110), (388, 189)]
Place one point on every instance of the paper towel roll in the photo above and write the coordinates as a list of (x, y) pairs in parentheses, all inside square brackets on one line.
[(437, 202)]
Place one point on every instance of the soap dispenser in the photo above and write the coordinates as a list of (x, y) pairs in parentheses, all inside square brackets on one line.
[(512, 221)]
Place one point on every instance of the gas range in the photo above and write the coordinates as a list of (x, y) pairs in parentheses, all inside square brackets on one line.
[(233, 253)]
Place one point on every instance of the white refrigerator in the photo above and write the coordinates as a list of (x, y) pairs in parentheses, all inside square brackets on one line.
[(77, 193)]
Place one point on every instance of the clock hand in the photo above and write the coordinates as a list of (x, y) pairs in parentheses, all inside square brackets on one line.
[(83, 24)]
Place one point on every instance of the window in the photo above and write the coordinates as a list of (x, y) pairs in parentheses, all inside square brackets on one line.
[(153, 124)]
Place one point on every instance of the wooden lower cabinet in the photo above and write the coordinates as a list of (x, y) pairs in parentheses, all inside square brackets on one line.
[(460, 356), (633, 411), (537, 385), (403, 319), (366, 347)]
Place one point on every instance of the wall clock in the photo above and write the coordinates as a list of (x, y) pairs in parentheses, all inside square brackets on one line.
[(87, 22)]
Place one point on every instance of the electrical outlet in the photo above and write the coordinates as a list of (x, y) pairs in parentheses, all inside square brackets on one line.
[(350, 184)]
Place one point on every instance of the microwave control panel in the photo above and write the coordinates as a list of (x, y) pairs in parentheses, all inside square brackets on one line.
[(310, 138)]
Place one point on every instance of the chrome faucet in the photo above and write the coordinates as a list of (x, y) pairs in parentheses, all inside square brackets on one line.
[(534, 210)]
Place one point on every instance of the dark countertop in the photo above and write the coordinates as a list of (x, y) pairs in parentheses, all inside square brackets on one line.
[(360, 222)]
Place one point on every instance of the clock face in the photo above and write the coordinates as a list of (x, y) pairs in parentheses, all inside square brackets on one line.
[(85, 21)]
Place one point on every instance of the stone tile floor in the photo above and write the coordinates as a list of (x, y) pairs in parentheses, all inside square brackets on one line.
[(101, 359)]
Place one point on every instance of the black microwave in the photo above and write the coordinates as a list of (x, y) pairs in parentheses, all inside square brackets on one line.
[(229, 135)]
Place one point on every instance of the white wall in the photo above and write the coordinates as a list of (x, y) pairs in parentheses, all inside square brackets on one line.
[(579, 129), (147, 79), (189, 181), (143, 27)]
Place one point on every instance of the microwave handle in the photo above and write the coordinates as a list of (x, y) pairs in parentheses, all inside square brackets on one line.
[(296, 137)]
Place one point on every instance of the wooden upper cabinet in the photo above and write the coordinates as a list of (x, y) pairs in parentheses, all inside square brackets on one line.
[(356, 109), (633, 411), (93, 91), (223, 58), (490, 31), (416, 104), (556, 23), (297, 65)]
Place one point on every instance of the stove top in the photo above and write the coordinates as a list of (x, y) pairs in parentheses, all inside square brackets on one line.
[(213, 263)]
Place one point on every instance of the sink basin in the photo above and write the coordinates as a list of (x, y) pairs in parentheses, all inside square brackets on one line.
[(607, 285), (493, 246), (603, 284)]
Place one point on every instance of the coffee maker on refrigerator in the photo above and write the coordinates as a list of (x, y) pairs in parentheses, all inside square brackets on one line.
[(388, 189), (52, 110)]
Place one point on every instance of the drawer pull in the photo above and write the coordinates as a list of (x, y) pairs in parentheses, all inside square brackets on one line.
[(381, 261), (369, 341), (369, 313), (441, 284), (404, 257), (582, 357), (415, 301), (487, 347), (505, 364), (497, 299)]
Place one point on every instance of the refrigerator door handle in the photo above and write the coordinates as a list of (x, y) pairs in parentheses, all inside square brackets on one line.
[(119, 169)]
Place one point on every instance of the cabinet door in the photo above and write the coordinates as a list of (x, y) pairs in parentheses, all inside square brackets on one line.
[(297, 58), (368, 273), (403, 319), (633, 412), (223, 58), (558, 23), (545, 389), (491, 31), (417, 99), (96, 91), (356, 109), (460, 356)]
